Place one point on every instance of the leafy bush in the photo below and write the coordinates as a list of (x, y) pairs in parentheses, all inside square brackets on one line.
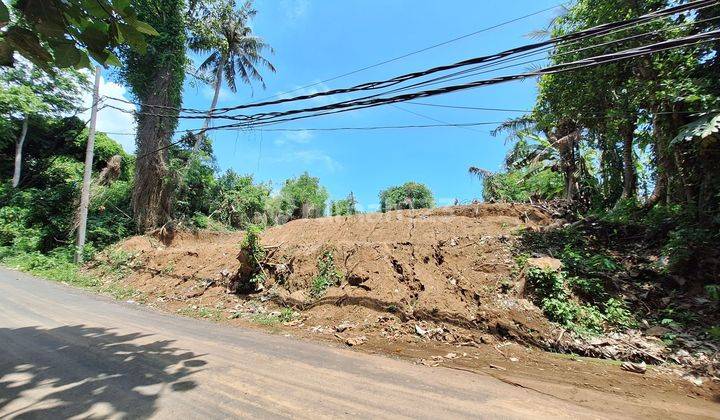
[(616, 313), (411, 195), (551, 293), (328, 275), (299, 198), (254, 254), (344, 207), (239, 202), (522, 185)]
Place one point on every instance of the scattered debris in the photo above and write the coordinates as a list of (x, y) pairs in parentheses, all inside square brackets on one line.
[(356, 341), (344, 326), (634, 367)]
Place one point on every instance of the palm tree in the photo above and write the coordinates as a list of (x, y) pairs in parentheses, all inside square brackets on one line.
[(234, 51), (556, 149)]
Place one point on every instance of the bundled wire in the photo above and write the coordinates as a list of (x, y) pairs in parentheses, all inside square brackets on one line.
[(490, 67)]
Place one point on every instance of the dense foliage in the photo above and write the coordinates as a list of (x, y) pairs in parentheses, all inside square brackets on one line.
[(301, 197), (41, 214), (68, 33), (410, 195), (639, 129)]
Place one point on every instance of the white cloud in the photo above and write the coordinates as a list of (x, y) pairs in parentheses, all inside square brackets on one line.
[(297, 137), (308, 158), (225, 93), (112, 120), (295, 9)]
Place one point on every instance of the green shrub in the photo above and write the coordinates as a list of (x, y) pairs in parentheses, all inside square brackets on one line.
[(344, 207), (301, 197), (57, 265), (589, 288), (254, 255), (411, 195), (328, 275), (550, 289), (200, 221), (252, 246), (616, 313), (286, 314)]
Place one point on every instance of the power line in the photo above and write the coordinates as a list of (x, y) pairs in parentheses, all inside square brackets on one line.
[(427, 117), (262, 119), (489, 68), (489, 28), (357, 128), (591, 32), (574, 37), (477, 108), (574, 65)]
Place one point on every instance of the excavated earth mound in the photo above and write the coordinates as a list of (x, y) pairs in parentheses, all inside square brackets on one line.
[(440, 287), (439, 273)]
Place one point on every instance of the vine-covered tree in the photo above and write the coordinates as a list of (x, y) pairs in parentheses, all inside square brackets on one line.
[(155, 79)]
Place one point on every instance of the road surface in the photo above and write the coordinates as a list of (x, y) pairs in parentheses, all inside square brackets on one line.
[(68, 353)]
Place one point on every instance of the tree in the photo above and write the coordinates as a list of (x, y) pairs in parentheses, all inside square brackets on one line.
[(27, 92), (531, 172), (411, 195), (299, 198), (233, 49), (155, 80), (619, 110), (344, 207), (239, 202), (67, 33)]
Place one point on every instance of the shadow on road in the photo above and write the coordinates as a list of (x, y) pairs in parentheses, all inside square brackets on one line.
[(88, 372)]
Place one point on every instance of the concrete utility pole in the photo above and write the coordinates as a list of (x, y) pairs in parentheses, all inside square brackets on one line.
[(87, 175)]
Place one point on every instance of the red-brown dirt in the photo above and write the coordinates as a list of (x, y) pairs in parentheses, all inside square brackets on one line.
[(425, 285)]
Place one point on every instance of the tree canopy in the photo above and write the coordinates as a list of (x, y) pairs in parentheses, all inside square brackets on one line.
[(410, 195), (53, 33)]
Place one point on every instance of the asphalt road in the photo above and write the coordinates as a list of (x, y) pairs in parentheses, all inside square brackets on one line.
[(67, 353)]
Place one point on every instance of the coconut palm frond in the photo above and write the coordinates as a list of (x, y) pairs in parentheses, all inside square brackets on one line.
[(479, 172), (514, 125), (538, 34)]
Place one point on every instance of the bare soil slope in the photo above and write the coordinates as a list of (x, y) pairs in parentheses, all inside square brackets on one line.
[(445, 266), (428, 285)]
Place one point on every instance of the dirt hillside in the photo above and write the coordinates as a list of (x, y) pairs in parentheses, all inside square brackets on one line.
[(444, 266), (440, 287)]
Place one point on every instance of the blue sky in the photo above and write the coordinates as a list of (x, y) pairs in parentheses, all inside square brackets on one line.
[(320, 39)]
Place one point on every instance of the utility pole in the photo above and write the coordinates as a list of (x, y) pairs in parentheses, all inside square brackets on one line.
[(87, 175)]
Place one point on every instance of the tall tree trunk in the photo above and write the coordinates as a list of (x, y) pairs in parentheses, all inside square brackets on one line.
[(151, 199), (566, 144), (213, 105), (663, 165), (218, 85), (629, 174), (18, 153)]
